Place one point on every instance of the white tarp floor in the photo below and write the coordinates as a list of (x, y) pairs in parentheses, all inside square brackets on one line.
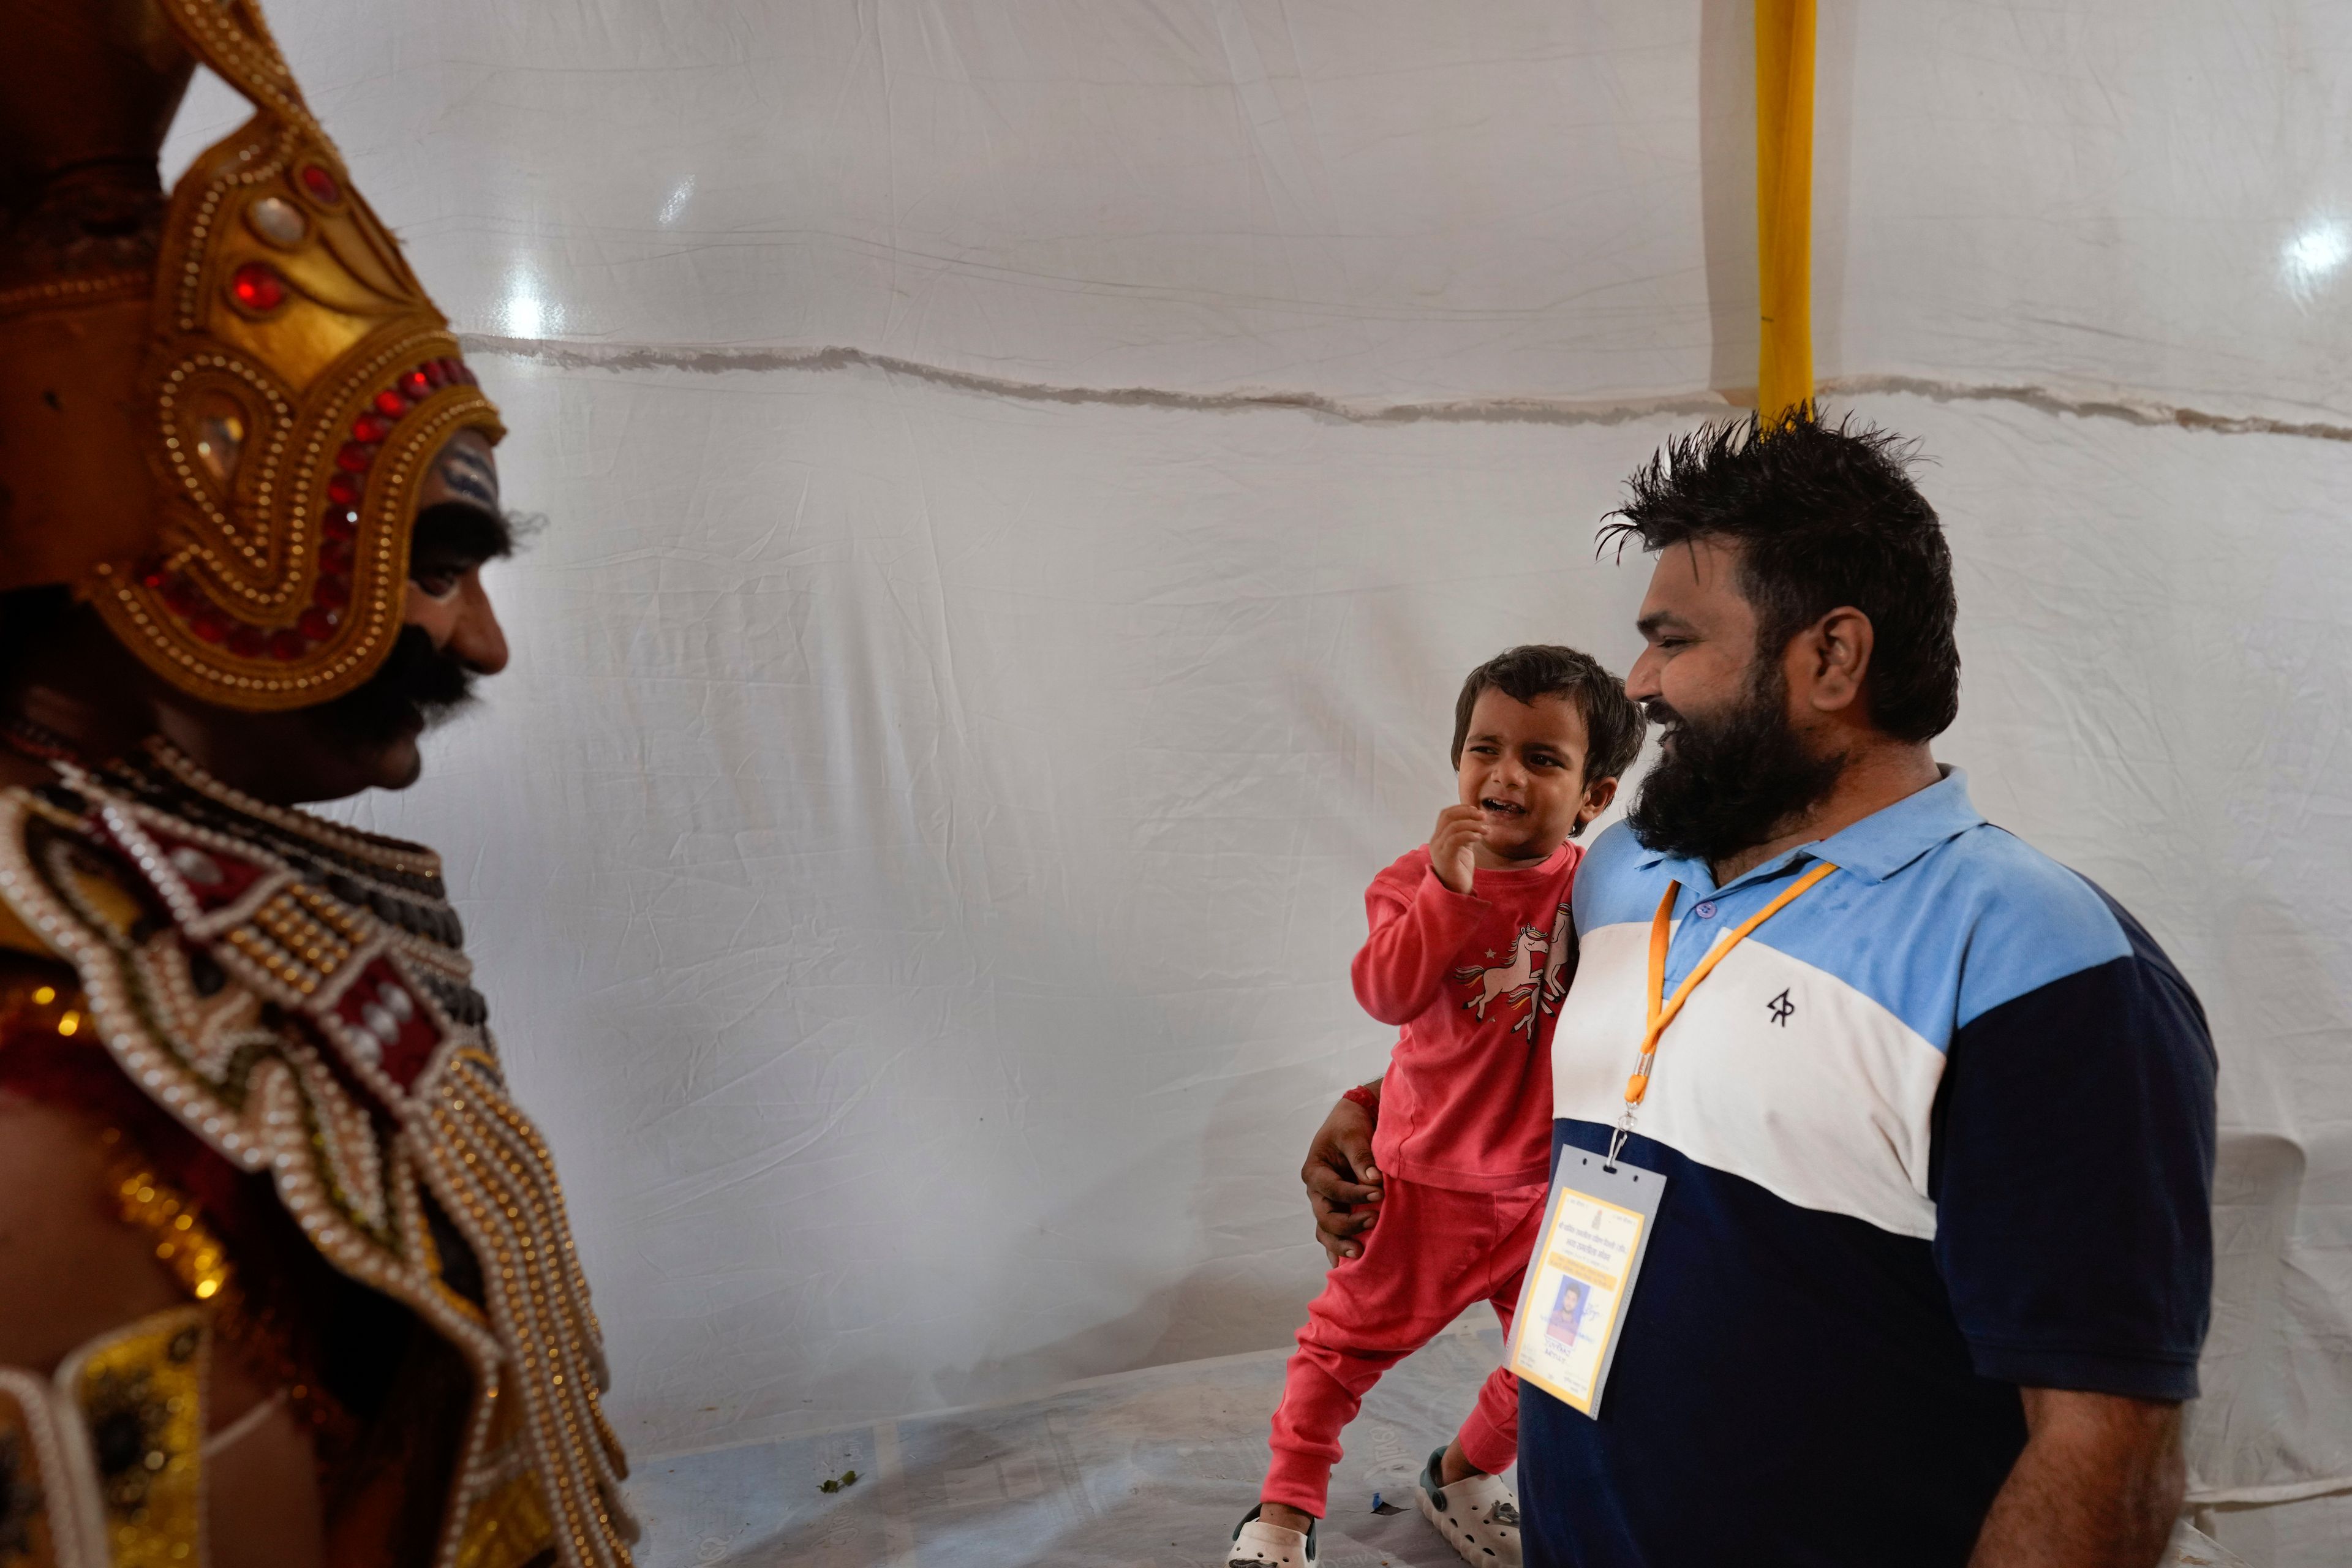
[(1138, 1470)]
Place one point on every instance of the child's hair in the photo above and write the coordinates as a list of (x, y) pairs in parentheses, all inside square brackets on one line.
[(1614, 725)]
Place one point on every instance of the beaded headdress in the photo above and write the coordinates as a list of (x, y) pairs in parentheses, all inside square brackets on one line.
[(214, 430)]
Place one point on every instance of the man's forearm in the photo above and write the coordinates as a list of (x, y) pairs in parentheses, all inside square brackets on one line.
[(2097, 1486)]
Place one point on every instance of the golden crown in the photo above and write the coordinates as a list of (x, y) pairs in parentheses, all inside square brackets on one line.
[(220, 446)]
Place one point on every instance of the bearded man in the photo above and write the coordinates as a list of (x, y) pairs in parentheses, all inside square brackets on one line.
[(285, 1275), (1932, 1116)]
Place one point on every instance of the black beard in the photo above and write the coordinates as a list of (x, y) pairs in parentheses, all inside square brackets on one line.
[(418, 684), (1727, 784)]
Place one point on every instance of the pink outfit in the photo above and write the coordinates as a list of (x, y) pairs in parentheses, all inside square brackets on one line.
[(1462, 1143), (1467, 1099), (1435, 1252)]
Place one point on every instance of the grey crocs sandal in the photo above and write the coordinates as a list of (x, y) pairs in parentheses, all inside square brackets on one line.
[(1257, 1545), (1479, 1516)]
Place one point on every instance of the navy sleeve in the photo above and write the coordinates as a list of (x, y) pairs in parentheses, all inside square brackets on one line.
[(2073, 1175)]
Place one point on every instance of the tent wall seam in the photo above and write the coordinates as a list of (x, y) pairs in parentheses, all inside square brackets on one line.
[(2129, 408)]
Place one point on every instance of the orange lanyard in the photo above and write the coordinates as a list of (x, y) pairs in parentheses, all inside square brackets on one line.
[(1662, 1013)]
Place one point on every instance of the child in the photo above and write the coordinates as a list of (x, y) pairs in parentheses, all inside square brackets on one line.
[(1471, 951)]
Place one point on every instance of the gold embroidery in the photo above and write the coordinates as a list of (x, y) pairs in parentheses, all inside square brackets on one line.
[(141, 1397), (38, 997), (507, 1527), (363, 1096), (182, 1242)]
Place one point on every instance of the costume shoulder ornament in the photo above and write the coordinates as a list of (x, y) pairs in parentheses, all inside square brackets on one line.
[(294, 994)]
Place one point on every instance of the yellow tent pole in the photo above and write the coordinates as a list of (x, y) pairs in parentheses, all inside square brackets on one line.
[(1784, 204)]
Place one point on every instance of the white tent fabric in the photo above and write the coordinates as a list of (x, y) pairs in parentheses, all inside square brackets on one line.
[(1025, 481)]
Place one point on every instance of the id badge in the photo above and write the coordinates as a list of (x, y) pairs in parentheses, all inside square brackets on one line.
[(1596, 1228)]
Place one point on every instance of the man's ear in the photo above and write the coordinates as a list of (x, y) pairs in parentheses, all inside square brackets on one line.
[(1835, 654), (1596, 797)]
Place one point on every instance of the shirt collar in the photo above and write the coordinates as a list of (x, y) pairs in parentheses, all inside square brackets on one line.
[(1874, 848)]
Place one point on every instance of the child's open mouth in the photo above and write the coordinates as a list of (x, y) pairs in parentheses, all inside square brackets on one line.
[(1503, 807)]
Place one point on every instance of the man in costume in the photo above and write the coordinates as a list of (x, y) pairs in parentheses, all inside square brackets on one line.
[(285, 1275)]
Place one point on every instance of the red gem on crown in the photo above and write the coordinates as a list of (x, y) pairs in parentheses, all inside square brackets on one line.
[(321, 184), (343, 491), (390, 403), (258, 286), (415, 386), (248, 642), (371, 428), (318, 624), (339, 522), (335, 555), (287, 646), (355, 457), (332, 593)]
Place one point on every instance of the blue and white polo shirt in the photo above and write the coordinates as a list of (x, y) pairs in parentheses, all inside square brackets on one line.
[(1942, 1127)]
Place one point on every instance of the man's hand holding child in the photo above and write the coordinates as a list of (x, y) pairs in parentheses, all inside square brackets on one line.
[(1343, 1186)]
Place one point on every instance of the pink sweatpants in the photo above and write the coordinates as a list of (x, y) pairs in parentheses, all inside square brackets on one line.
[(1435, 1254)]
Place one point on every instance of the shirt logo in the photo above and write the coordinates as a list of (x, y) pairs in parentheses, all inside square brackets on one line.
[(1781, 1009)]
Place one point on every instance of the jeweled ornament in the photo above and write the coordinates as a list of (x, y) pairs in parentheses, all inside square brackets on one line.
[(278, 221), (220, 440), (257, 288)]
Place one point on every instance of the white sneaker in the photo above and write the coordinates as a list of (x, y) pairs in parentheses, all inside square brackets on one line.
[(1478, 1517), (1257, 1545)]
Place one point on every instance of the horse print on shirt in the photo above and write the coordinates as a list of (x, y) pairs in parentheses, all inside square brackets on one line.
[(1519, 981)]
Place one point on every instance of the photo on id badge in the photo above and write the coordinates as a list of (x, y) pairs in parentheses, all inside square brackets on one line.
[(1582, 1276), (1567, 1312)]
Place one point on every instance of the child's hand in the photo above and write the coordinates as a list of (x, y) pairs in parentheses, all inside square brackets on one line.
[(1458, 828)]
